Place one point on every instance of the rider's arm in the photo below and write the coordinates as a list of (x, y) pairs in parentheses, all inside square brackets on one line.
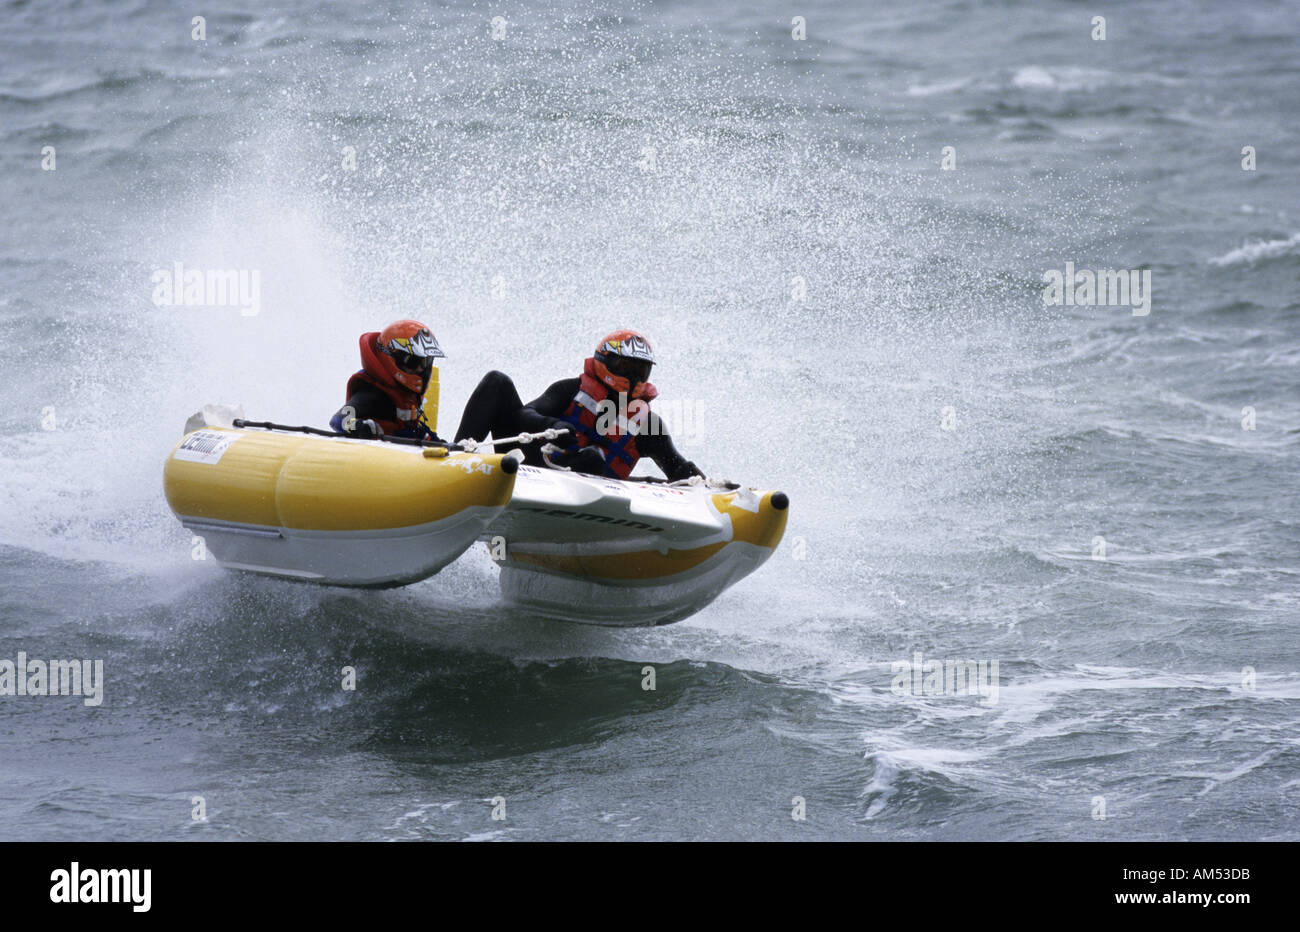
[(546, 410), (655, 443), (365, 404)]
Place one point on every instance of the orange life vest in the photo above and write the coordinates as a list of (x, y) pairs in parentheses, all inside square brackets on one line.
[(609, 424)]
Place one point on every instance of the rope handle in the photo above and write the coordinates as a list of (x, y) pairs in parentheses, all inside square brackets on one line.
[(469, 445)]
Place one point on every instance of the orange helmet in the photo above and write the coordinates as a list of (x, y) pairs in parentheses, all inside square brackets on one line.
[(623, 360), (412, 348)]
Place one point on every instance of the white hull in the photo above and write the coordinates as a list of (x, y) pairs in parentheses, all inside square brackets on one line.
[(388, 557), (627, 554), (624, 604)]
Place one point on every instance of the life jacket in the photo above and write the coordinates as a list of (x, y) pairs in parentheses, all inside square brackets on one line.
[(601, 426), (411, 410)]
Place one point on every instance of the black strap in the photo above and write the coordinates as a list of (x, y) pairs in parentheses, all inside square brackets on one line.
[(316, 431), (405, 441)]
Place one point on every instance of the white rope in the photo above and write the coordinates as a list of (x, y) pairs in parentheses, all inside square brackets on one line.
[(469, 445)]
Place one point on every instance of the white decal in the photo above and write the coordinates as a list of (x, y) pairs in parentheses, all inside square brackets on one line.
[(205, 446), (473, 464)]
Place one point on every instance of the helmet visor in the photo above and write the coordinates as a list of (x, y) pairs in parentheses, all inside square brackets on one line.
[(409, 362), (634, 370)]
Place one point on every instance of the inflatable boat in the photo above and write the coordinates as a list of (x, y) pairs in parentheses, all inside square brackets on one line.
[(613, 552), (311, 505)]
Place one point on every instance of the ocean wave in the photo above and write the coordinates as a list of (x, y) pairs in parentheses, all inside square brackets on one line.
[(1038, 77), (1067, 79), (1260, 251), (108, 83), (943, 87)]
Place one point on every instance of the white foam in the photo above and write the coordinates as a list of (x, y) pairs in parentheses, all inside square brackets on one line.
[(1072, 78), (1034, 77), (1250, 253), (943, 87)]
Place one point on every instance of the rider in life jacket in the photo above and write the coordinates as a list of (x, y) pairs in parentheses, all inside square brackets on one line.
[(395, 393), (606, 410)]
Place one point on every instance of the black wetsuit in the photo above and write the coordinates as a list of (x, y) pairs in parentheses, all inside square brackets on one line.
[(369, 403), (495, 408)]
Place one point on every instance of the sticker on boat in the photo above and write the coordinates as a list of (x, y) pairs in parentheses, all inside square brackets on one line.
[(205, 446), (475, 464)]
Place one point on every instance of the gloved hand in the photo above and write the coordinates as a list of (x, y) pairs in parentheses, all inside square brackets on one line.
[(688, 470), (368, 430), (587, 460)]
